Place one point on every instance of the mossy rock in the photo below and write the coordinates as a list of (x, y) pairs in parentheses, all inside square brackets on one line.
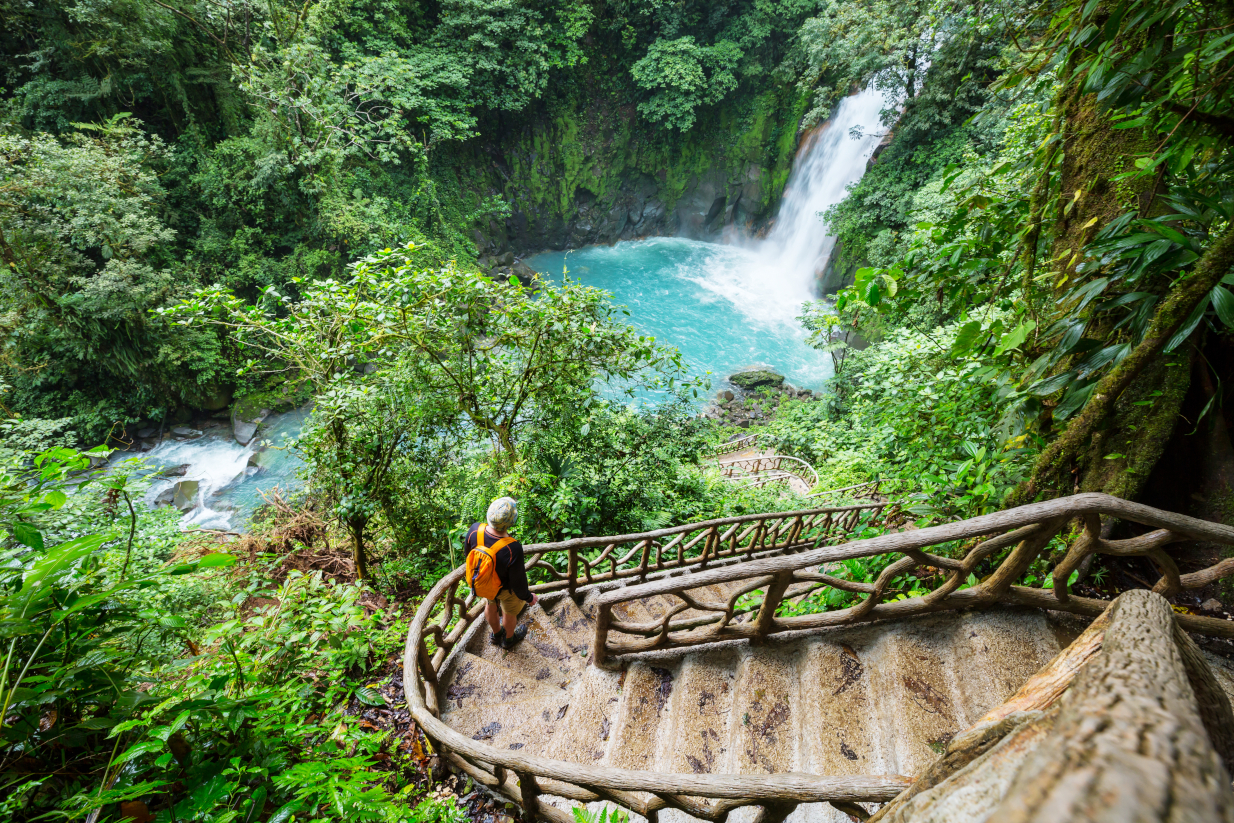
[(278, 395), (757, 379)]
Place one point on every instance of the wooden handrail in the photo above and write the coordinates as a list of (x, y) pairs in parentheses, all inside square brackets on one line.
[(778, 553)]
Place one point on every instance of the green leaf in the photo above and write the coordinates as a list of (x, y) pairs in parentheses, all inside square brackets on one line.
[(215, 560), (56, 498), (1187, 328), (370, 696), (140, 749), (1016, 337), (28, 535), (966, 339), (1223, 304)]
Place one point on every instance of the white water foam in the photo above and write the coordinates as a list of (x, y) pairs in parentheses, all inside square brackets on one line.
[(769, 279)]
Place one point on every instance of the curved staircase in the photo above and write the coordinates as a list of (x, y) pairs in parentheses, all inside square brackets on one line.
[(674, 674), (880, 699)]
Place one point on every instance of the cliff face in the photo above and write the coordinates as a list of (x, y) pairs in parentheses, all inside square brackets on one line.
[(602, 174)]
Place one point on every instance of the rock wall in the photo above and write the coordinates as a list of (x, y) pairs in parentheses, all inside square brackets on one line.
[(603, 174)]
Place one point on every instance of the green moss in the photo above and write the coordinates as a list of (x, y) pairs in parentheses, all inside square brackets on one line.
[(278, 394), (1123, 454), (597, 147)]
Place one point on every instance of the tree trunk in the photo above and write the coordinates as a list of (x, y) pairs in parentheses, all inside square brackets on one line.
[(358, 555), (1128, 743), (1055, 462)]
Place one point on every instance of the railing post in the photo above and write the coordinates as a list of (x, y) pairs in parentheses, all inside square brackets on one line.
[(771, 601), (599, 652), (529, 788), (572, 573)]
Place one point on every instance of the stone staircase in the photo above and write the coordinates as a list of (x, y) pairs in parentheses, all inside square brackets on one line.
[(882, 698)]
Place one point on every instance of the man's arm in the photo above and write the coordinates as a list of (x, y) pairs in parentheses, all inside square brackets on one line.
[(516, 574)]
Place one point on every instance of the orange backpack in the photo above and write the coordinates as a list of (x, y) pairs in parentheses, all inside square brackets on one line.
[(481, 572)]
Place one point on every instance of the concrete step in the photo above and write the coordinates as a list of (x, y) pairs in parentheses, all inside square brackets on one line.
[(645, 695), (572, 625), (700, 715), (526, 725), (995, 652), (474, 681), (766, 714), (839, 729), (543, 655), (915, 696), (584, 734)]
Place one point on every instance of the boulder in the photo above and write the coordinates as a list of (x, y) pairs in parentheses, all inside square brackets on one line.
[(176, 471), (185, 432), (185, 495), (166, 497), (756, 379), (216, 398), (728, 395), (505, 259), (147, 432), (525, 273), (1212, 604), (245, 429)]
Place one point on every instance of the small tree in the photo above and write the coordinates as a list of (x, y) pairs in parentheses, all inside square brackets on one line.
[(398, 354)]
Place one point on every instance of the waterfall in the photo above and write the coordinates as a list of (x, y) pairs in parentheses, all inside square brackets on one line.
[(767, 280), (829, 160)]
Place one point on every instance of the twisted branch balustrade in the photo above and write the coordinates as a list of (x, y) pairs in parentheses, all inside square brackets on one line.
[(779, 557), (869, 490), (1028, 528), (758, 471), (732, 446)]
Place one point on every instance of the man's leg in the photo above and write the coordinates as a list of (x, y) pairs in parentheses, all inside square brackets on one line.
[(511, 623), (492, 615)]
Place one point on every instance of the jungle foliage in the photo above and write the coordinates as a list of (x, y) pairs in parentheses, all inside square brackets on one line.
[(153, 148), (1070, 228)]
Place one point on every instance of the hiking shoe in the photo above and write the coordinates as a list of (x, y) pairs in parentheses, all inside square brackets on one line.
[(497, 637), (508, 643)]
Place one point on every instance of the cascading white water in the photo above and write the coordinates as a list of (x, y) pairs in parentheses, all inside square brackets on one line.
[(769, 279), (829, 160)]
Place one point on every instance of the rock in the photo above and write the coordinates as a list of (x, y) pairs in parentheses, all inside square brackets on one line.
[(525, 273), (505, 259), (148, 431), (165, 497), (728, 395), (216, 398), (185, 495), (486, 262), (185, 432), (1212, 604), (245, 429), (745, 424), (176, 471), (756, 379)]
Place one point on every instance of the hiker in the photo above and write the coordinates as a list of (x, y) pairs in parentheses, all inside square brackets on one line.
[(495, 572)]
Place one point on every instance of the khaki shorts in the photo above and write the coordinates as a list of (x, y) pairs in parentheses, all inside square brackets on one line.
[(509, 602)]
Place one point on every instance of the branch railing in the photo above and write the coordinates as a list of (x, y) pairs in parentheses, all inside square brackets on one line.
[(764, 585), (733, 446), (758, 471), (774, 559), (869, 490)]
